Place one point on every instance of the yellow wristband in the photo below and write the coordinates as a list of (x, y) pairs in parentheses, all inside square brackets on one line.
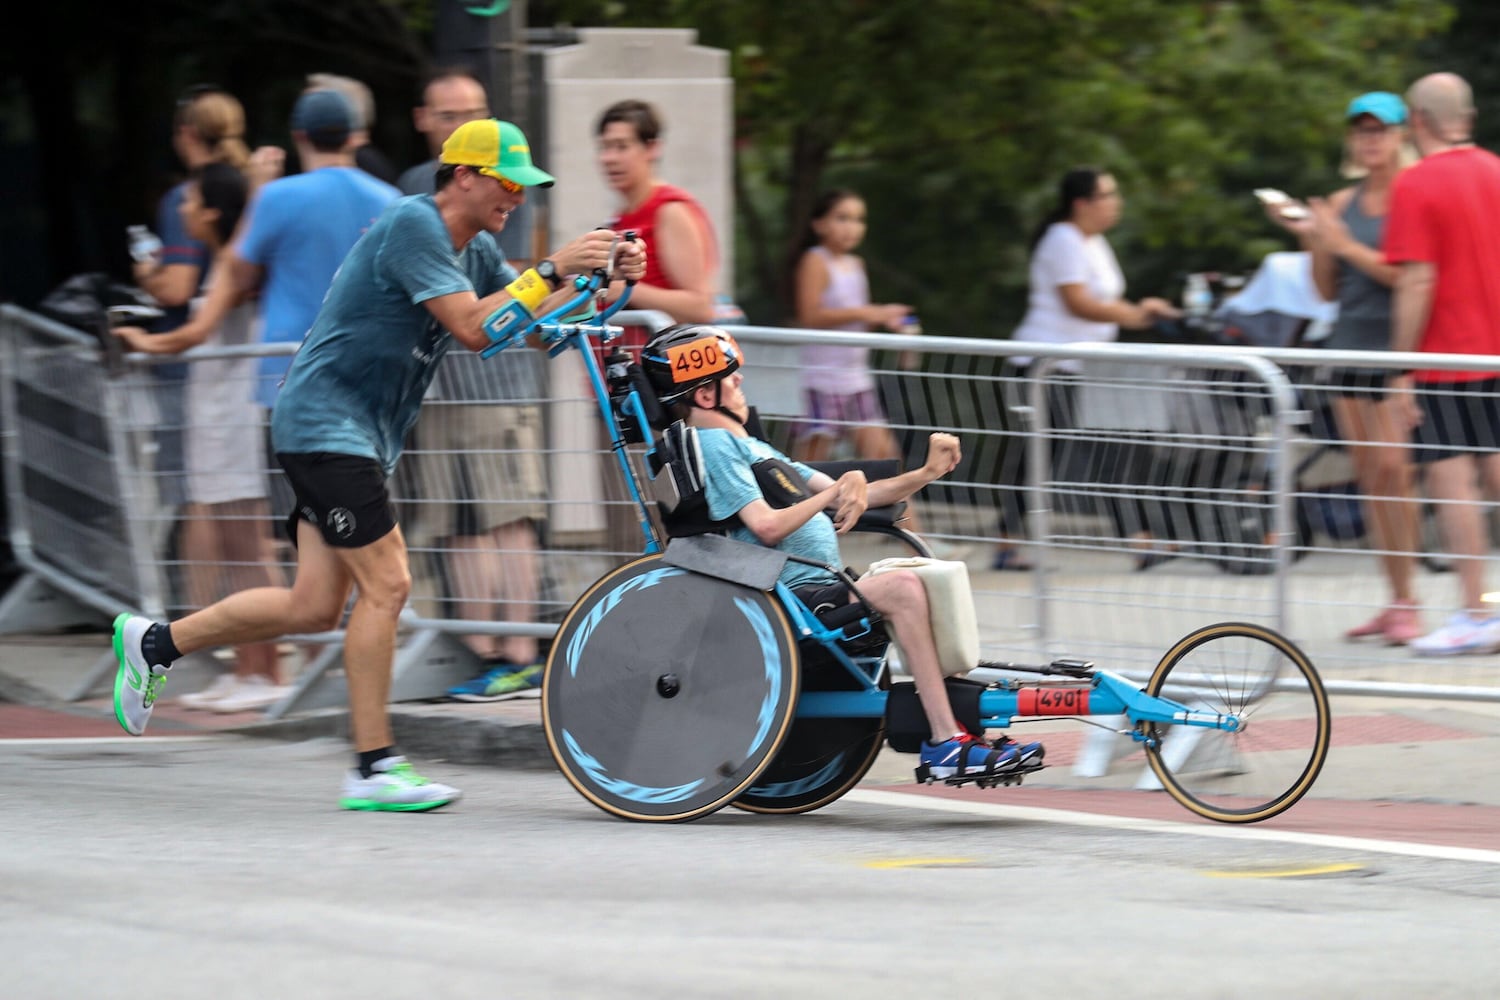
[(529, 289)]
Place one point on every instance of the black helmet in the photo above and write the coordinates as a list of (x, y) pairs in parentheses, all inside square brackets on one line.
[(681, 358)]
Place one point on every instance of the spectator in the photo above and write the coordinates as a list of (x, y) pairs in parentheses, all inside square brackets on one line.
[(450, 96), (299, 228), (208, 127), (682, 275), (1077, 296), (833, 293), (477, 450), (1342, 233), (817, 510), (682, 271), (225, 524), (1443, 234), (426, 273), (366, 157), (478, 461)]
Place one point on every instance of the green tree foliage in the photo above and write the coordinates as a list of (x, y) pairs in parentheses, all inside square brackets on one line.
[(956, 117)]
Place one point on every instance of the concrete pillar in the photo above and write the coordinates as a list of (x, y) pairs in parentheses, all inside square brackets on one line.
[(691, 88)]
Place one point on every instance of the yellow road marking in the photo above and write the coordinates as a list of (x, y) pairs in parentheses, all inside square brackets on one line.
[(917, 862), (1289, 872)]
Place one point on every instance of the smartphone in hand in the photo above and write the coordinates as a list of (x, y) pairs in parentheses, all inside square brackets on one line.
[(1282, 204)]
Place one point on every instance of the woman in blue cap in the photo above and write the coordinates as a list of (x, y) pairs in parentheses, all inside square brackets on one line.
[(1343, 234)]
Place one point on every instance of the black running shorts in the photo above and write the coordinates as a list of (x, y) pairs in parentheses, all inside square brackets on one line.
[(345, 496)]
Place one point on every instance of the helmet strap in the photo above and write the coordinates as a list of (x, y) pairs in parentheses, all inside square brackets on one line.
[(719, 403)]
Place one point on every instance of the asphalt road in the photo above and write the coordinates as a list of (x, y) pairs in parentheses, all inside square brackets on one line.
[(221, 867)]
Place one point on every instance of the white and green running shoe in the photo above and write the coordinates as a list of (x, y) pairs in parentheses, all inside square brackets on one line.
[(137, 683), (394, 787)]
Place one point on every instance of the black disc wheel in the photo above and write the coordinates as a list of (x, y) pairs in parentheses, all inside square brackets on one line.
[(1270, 761), (667, 693), (821, 758)]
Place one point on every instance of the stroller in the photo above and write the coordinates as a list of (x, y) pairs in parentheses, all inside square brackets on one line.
[(1280, 307)]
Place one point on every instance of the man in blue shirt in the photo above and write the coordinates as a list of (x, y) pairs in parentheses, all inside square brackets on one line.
[(299, 228), (696, 370), (427, 273)]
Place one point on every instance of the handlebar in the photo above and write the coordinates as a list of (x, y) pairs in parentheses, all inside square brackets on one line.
[(577, 315)]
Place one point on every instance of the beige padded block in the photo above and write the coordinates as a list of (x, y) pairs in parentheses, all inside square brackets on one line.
[(950, 604)]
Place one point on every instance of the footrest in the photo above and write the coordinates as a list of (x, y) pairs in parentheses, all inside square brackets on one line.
[(1014, 777), (1072, 668)]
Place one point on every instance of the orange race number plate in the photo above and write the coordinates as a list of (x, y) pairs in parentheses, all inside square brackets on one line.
[(696, 359), (1052, 701)]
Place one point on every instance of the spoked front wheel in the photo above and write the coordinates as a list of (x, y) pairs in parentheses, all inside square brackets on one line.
[(1270, 761)]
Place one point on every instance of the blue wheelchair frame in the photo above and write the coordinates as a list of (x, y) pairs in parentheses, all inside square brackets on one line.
[(1086, 691)]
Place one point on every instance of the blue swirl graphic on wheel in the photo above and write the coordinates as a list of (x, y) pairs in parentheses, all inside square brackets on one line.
[(587, 652)]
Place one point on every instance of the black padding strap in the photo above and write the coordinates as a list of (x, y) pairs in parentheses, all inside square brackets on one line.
[(906, 723)]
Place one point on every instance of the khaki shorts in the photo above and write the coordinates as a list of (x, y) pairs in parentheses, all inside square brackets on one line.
[(472, 467)]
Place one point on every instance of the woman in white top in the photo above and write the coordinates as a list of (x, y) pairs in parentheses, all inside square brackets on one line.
[(1077, 296), (1077, 288)]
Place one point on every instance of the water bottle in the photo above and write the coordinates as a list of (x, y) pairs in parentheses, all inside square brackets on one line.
[(911, 326), (1197, 297), (144, 244)]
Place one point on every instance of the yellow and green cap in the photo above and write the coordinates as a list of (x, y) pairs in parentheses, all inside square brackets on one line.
[(498, 149)]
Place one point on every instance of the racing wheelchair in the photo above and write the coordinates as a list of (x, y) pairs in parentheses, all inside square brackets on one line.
[(691, 678)]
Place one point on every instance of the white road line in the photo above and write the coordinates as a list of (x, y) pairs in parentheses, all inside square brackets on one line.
[(1222, 831), (56, 741)]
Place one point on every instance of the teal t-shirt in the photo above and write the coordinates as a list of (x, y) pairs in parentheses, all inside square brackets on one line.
[(729, 485), (357, 382)]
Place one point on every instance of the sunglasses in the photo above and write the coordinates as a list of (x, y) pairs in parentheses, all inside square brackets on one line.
[(506, 184)]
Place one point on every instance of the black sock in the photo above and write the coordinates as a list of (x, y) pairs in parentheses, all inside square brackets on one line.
[(367, 759), (157, 646)]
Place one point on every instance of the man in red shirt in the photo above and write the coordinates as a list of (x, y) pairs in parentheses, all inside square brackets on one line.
[(1443, 232)]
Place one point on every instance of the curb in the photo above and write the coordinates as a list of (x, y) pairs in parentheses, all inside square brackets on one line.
[(485, 742)]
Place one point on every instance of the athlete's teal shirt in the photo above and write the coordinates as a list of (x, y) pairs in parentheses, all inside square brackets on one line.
[(357, 382), (729, 485)]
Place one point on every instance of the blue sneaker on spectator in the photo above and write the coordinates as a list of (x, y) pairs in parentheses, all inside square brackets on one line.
[(967, 754), (502, 681)]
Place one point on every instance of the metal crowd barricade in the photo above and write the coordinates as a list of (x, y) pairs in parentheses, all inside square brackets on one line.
[(1076, 427), (1226, 454), (67, 450), (1251, 485)]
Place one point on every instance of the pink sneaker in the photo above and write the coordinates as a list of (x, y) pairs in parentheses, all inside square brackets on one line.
[(1396, 625), (1402, 623), (1375, 626)]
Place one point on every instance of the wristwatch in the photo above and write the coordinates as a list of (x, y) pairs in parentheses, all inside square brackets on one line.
[(548, 270)]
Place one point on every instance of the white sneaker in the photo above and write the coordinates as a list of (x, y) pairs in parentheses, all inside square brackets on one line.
[(222, 685), (249, 693), (1459, 635), (394, 787), (137, 683)]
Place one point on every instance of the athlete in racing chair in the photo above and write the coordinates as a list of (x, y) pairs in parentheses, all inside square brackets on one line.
[(763, 497)]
